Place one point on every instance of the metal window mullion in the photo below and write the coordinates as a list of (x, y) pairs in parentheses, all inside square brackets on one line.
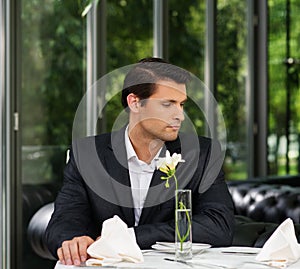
[(160, 28), (210, 76), (91, 69), (11, 182), (261, 90), (250, 87), (96, 64), (14, 147), (4, 245), (102, 61)]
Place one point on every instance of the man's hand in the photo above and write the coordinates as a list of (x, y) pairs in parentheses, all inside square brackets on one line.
[(74, 251)]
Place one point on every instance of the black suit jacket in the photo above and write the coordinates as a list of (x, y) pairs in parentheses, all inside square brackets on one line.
[(97, 187)]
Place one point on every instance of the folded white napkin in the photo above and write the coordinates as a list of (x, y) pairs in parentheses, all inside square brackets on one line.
[(282, 248), (115, 245)]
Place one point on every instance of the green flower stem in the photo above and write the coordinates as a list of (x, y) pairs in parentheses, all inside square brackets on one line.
[(189, 221)]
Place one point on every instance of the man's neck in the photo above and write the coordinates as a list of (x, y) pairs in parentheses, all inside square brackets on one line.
[(145, 148)]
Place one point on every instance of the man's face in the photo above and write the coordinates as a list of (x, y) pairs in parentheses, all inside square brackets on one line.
[(161, 115)]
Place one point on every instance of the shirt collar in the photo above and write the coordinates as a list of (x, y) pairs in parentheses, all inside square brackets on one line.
[(131, 152), (129, 148)]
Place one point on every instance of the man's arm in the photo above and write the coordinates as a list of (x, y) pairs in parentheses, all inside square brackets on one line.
[(67, 232), (214, 215)]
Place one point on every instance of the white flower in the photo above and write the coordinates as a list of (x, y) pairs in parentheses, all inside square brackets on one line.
[(168, 164)]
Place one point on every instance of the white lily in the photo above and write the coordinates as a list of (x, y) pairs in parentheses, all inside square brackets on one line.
[(168, 164)]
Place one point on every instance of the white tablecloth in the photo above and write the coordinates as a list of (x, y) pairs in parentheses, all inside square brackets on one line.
[(213, 256)]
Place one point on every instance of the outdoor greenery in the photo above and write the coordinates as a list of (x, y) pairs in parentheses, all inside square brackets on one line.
[(54, 68), (53, 79), (283, 80)]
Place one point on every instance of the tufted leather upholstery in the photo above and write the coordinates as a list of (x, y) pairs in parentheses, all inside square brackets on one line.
[(259, 210), (266, 202)]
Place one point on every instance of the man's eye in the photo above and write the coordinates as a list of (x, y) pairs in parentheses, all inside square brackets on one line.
[(166, 104)]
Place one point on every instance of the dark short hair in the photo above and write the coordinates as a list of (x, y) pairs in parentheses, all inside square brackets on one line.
[(141, 79)]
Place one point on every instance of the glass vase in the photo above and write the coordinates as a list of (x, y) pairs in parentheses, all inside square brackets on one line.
[(183, 225)]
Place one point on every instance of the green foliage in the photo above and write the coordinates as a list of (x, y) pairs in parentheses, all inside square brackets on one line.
[(130, 38), (279, 76), (231, 66), (283, 77), (187, 35), (129, 32), (53, 70), (54, 67)]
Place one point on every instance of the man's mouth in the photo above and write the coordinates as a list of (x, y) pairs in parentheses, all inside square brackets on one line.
[(174, 127)]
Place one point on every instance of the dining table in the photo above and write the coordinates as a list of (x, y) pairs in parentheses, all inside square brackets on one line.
[(209, 258)]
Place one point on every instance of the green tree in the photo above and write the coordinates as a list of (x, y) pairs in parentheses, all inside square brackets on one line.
[(283, 77)]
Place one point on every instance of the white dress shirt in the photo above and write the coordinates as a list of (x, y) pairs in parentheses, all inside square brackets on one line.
[(140, 177)]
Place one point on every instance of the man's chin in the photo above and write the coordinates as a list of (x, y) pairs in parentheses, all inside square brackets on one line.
[(170, 137)]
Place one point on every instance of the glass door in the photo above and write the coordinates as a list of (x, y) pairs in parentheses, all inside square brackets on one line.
[(53, 81)]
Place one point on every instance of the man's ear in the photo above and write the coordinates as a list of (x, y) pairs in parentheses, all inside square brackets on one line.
[(133, 102)]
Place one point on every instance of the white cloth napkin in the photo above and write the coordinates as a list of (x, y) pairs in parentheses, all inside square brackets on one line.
[(282, 248), (115, 245)]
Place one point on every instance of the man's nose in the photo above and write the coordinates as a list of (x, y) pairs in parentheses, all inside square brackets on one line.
[(179, 114)]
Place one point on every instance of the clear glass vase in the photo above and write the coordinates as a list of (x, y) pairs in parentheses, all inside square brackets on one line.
[(183, 225)]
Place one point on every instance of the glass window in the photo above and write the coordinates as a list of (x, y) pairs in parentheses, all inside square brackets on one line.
[(53, 82), (186, 46), (284, 96), (53, 76), (231, 76), (129, 39), (129, 32)]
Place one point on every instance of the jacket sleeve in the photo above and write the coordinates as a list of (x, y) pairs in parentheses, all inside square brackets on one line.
[(213, 217), (72, 211)]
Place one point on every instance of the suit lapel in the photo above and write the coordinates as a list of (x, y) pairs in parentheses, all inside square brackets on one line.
[(115, 161)]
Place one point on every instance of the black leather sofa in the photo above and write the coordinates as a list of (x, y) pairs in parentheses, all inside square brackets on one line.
[(35, 198), (259, 208), (261, 205), (266, 202)]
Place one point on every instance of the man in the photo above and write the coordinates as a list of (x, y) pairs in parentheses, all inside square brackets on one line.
[(115, 174)]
